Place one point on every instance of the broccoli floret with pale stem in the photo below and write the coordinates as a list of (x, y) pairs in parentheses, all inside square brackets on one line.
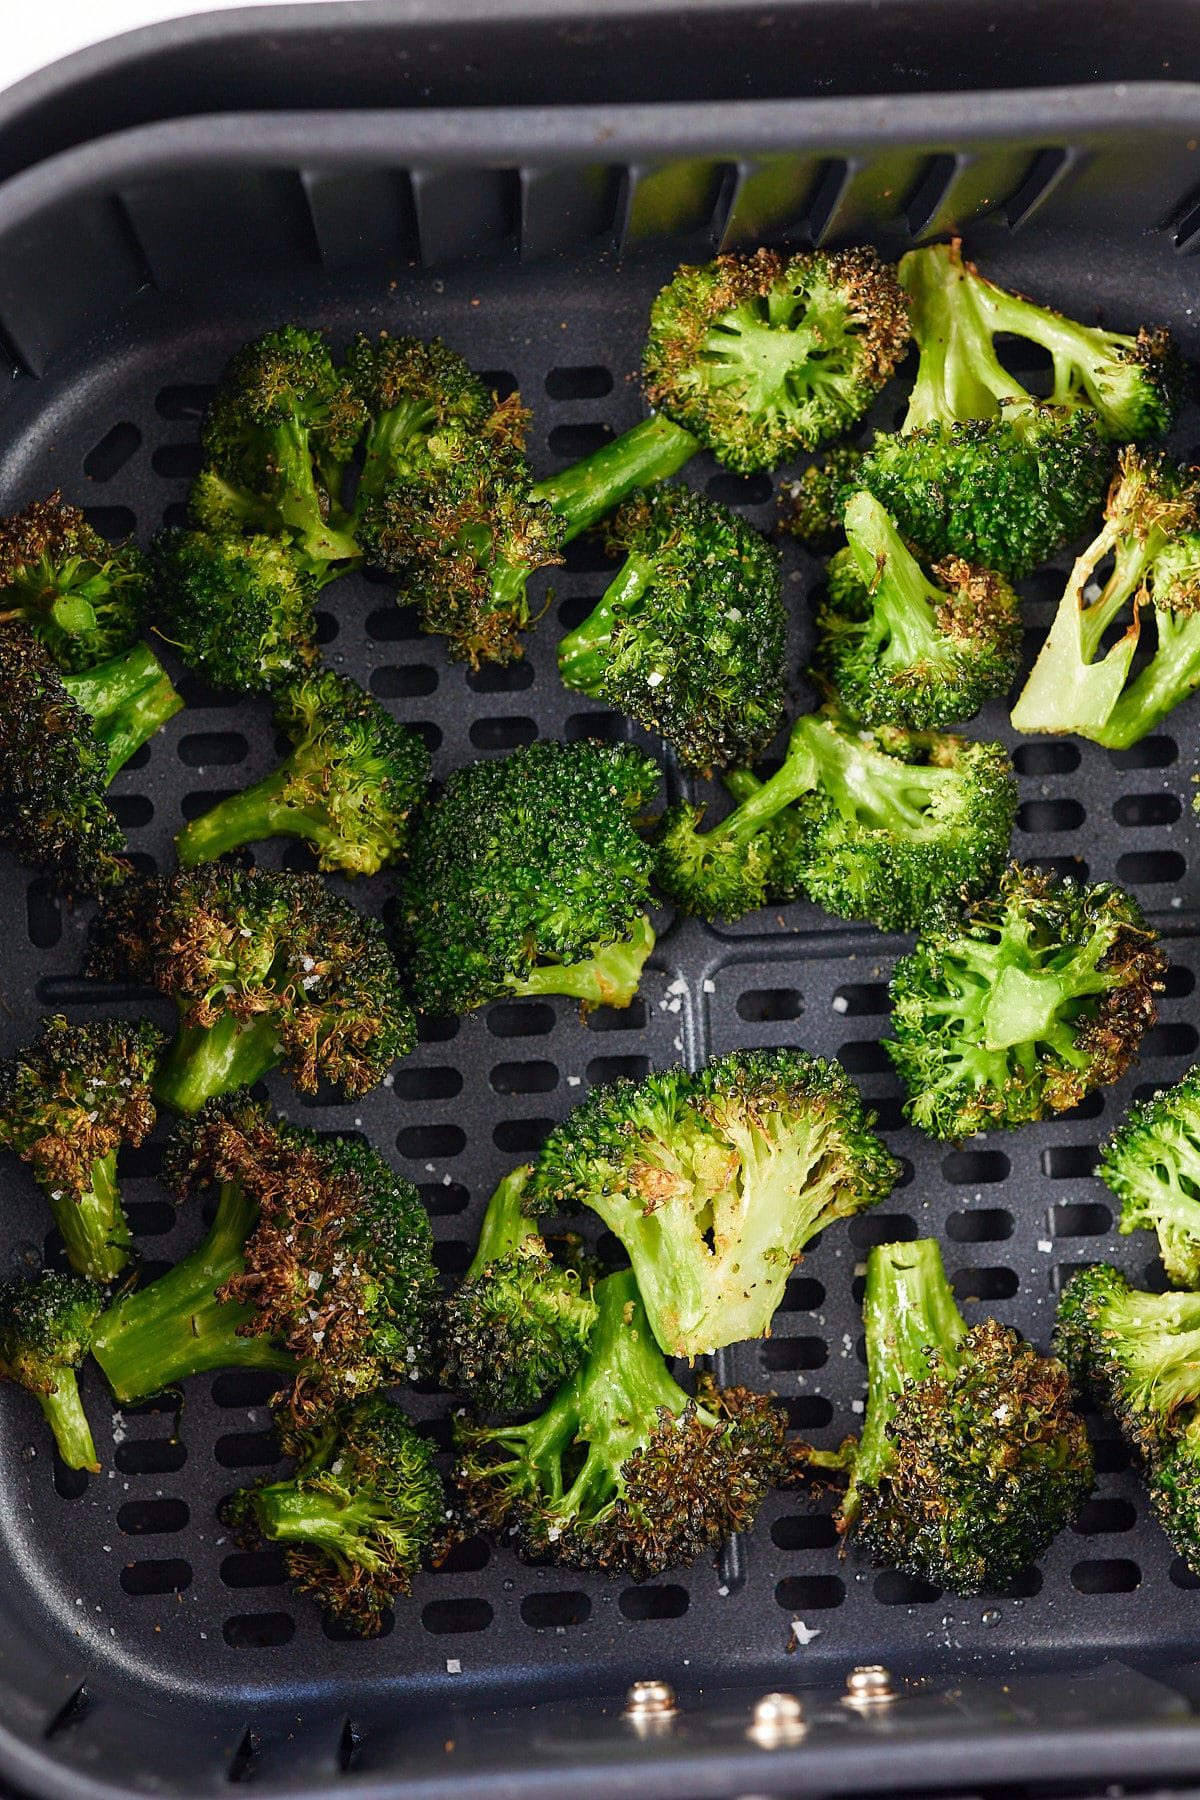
[(84, 598), (46, 1327), (715, 1181), (1152, 1164), (238, 609), (811, 506), (1040, 994)]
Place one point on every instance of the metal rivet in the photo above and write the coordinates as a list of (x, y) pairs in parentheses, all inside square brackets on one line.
[(650, 1700), (869, 1685), (777, 1719)]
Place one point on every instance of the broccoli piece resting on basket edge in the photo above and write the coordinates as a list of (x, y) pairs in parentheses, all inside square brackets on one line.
[(715, 1181), (46, 1326), (1040, 994), (526, 876), (624, 1471), (265, 968), (878, 825), (1152, 1164), (82, 597), (973, 1455)]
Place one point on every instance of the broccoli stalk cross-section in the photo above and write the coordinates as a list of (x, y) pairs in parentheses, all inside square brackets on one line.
[(1152, 1164), (46, 1328)]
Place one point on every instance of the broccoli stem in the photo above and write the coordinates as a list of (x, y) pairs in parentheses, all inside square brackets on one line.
[(1171, 675), (646, 453), (93, 1227), (959, 375), (901, 596), (505, 1226), (1067, 690), (390, 432), (128, 699), (177, 1327), (66, 1418), (294, 1512), (301, 506), (207, 1060), (759, 801), (610, 978), (583, 653), (261, 811)]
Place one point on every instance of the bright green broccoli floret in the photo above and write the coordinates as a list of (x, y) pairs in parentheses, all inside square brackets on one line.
[(714, 1182), (265, 968), (347, 789), (68, 1101), (1152, 1164), (902, 649), (624, 1471), (318, 1265), (46, 1330), (239, 610), (810, 508), (875, 825), (1151, 537), (519, 1323), (690, 638), (82, 596), (526, 876), (973, 1456), (1040, 994), (764, 356), (363, 1511)]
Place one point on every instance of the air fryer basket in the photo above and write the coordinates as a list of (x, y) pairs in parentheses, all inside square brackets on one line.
[(140, 1650)]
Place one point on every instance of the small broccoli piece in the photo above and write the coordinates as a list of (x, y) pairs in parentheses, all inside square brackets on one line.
[(875, 825), (68, 1101), (624, 1471), (519, 1323), (1152, 1164), (1151, 536), (810, 508), (526, 876), (690, 637), (348, 787), (423, 404), (1039, 995), (714, 1182), (239, 610), (46, 1330), (318, 1265), (83, 597), (901, 649), (973, 1456), (265, 968), (764, 356), (362, 1513)]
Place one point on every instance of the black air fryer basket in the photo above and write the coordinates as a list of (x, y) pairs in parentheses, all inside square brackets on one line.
[(141, 1651)]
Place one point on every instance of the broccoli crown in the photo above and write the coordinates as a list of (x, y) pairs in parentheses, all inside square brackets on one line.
[(714, 1182), (362, 1512), (414, 392), (84, 598), (1152, 1164), (270, 949), (1040, 994), (901, 649), (522, 867), (878, 825), (810, 507), (46, 1328), (239, 610), (690, 638), (764, 356), (519, 1323), (624, 1471)]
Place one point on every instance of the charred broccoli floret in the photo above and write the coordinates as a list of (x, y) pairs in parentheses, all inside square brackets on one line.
[(973, 1456), (519, 1323), (902, 649), (714, 1182), (1040, 994), (690, 637), (764, 356), (363, 1511), (318, 1265), (526, 876), (46, 1327), (878, 825), (423, 404), (1152, 1164), (68, 1101), (1151, 535), (84, 598), (265, 968), (810, 508), (624, 1471), (239, 610), (348, 787)]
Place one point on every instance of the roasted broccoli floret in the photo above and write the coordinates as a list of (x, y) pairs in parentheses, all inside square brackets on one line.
[(84, 598), (68, 1101), (526, 876), (1151, 538), (1152, 1164), (624, 1471), (690, 637), (363, 1511), (318, 1265), (239, 610), (1041, 993), (877, 825), (347, 788), (423, 404), (973, 1456), (520, 1321), (981, 468), (901, 648), (46, 1327), (265, 968), (714, 1182), (764, 356), (810, 508)]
